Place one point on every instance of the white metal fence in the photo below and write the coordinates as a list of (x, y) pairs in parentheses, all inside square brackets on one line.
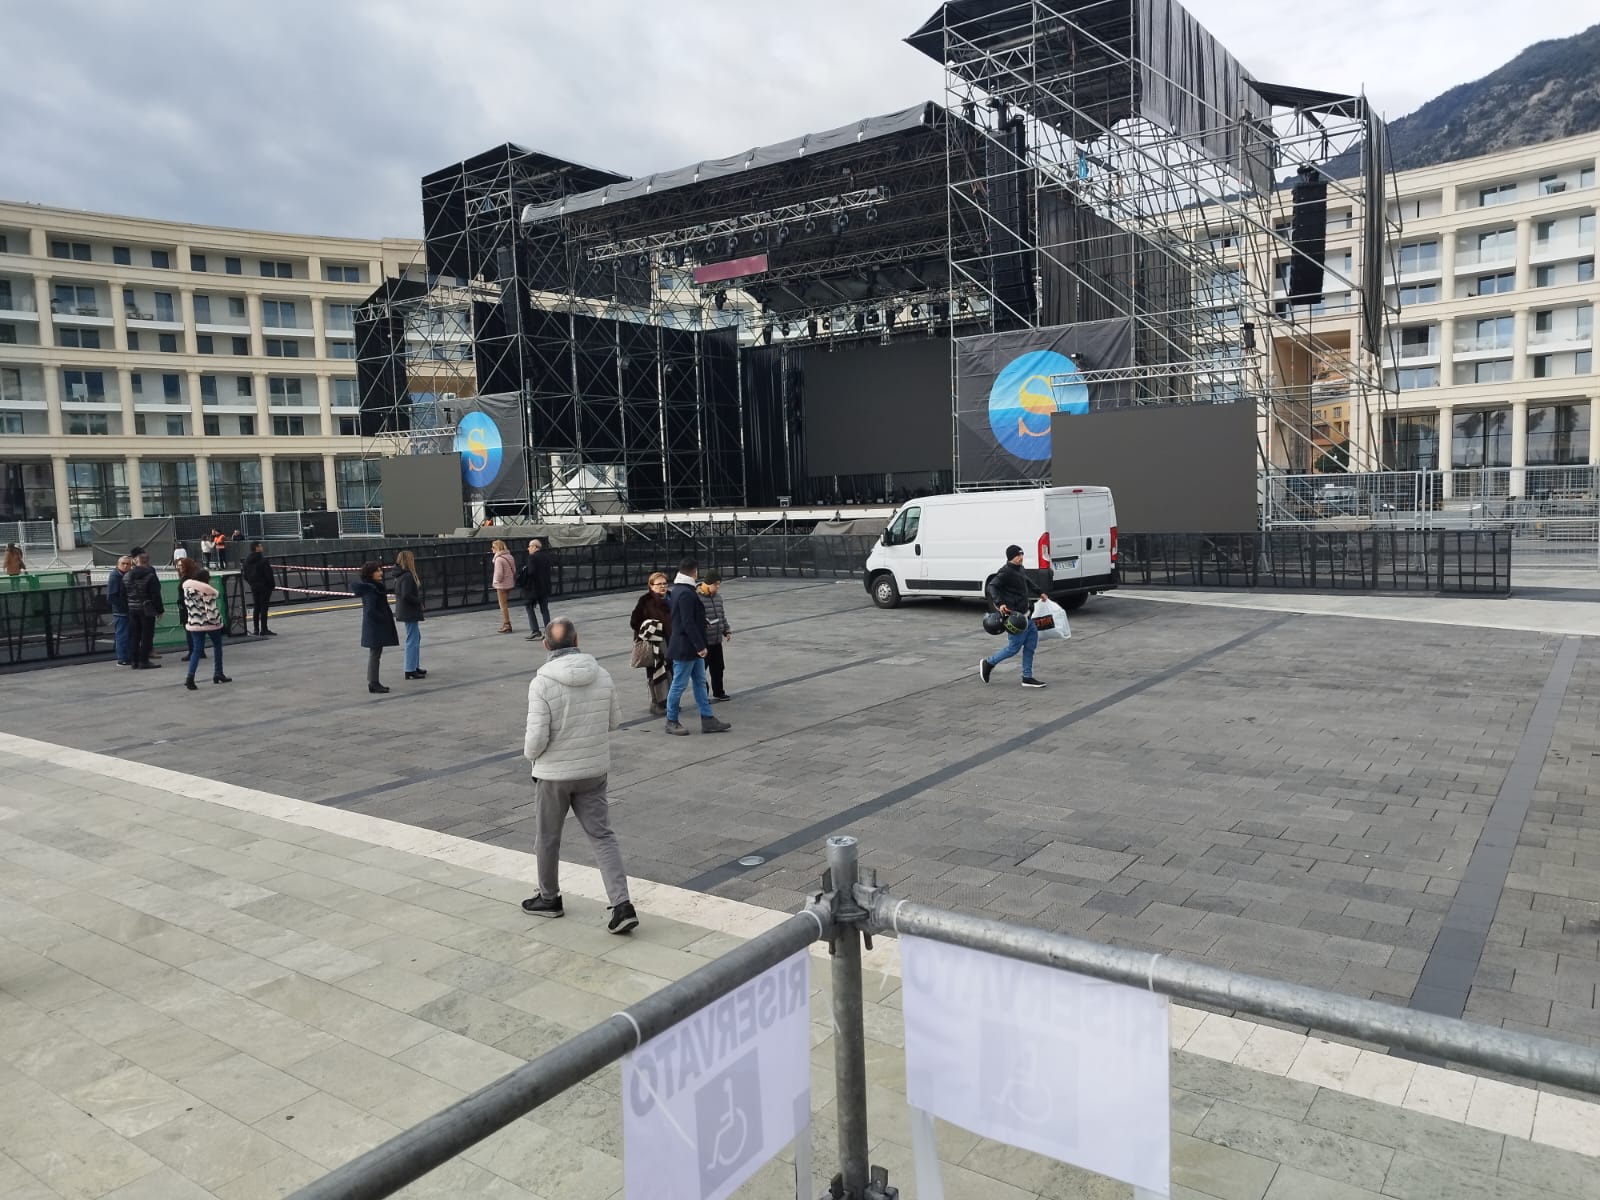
[(36, 540), (1552, 513)]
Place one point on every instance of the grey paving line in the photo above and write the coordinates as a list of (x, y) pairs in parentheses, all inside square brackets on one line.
[(806, 835), (773, 685), (1452, 963), (434, 690)]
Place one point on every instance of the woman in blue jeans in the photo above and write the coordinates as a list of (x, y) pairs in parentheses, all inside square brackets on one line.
[(202, 618), (408, 610)]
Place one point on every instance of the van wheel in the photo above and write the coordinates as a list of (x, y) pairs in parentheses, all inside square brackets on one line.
[(884, 592), (1074, 602)]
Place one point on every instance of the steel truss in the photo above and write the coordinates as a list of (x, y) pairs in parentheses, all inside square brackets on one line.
[(1067, 203)]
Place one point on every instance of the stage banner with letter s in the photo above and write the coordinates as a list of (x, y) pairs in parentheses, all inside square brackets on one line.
[(493, 451), (1009, 385), (710, 1101), (1061, 1064)]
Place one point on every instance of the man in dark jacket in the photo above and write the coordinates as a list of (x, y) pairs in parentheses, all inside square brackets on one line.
[(141, 587), (261, 580), (686, 650), (534, 579), (118, 603), (1012, 594)]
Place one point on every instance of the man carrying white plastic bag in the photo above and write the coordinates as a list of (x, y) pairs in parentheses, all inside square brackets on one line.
[(1050, 619), (1012, 593)]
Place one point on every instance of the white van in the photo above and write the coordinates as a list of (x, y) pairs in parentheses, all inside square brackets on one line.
[(952, 545)]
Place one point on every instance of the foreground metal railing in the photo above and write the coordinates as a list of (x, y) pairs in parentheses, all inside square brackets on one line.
[(846, 913)]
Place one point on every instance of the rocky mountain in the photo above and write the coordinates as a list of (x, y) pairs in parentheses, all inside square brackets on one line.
[(1551, 90)]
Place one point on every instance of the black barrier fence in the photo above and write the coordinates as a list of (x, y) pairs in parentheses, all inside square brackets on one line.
[(75, 621), (1451, 561)]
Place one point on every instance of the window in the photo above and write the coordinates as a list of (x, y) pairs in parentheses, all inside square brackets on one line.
[(1583, 362), (10, 383), (1410, 378), (71, 299), (1416, 342), (1558, 434), (1541, 366), (341, 349), (1496, 370), (5, 293), (280, 270), (167, 343), (1411, 443), (232, 266), (1502, 193), (212, 425), (169, 488), (285, 426), (283, 390), (89, 422), (278, 314), (1489, 285), (175, 427), (342, 316), (344, 393), (1550, 185), (122, 256), (241, 346), (77, 250), (208, 388), (171, 388), (1585, 179), (1481, 439), (5, 245), (903, 530), (338, 273), (136, 383), (1494, 333), (1544, 230), (247, 427), (349, 426), (84, 385), (1586, 271), (202, 310), (298, 483), (203, 344), (8, 335), (81, 339), (236, 306), (1544, 321), (161, 260), (1544, 276), (241, 384), (10, 422), (197, 262), (1419, 293), (282, 348), (1497, 244), (164, 306)]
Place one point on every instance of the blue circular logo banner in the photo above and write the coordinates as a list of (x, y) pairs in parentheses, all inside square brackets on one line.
[(478, 443), (1023, 399)]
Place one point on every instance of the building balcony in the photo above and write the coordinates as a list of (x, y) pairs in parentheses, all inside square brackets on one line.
[(80, 401), (228, 404), (287, 331), (1555, 340), (147, 403), (1558, 248), (1473, 347), (1413, 356), (345, 332), (291, 404), (139, 318), (19, 308), (226, 325), (64, 313), (1416, 273), (1499, 256), (25, 397)]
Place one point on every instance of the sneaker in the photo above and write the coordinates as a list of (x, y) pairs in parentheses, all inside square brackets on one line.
[(720, 699), (984, 670), (713, 725), (541, 906), (623, 918), (1028, 681), (676, 729), (533, 637)]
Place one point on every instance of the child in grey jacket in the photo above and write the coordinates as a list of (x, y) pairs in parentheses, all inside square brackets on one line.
[(717, 631)]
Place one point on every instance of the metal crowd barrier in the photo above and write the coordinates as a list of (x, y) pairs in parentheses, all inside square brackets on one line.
[(848, 911), (73, 619)]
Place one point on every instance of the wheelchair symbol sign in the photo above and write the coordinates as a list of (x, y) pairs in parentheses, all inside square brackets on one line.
[(727, 1112)]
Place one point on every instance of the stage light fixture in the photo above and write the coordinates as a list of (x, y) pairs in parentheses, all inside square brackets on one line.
[(731, 244), (710, 248), (721, 300), (811, 326), (827, 323), (841, 222), (964, 304), (888, 318), (916, 311), (783, 234), (871, 215), (874, 317), (810, 225), (759, 237), (861, 322), (784, 329), (678, 257), (766, 335), (1249, 335)]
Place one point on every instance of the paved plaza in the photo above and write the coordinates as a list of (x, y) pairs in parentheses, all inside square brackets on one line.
[(253, 930)]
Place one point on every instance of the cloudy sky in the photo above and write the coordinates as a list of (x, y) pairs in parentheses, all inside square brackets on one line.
[(319, 116)]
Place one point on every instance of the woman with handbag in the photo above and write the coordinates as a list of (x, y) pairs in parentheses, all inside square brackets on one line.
[(651, 623), (408, 610), (377, 622)]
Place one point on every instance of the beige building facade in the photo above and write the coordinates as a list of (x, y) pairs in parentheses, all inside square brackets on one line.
[(151, 368), (1491, 360)]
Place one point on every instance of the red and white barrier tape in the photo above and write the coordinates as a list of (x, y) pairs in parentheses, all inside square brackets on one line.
[(316, 592), (308, 567)]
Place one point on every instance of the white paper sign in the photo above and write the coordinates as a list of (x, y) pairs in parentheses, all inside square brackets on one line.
[(708, 1102), (1057, 1063)]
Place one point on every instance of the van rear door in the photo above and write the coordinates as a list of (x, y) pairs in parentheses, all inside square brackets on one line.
[(1061, 520), (1097, 518)]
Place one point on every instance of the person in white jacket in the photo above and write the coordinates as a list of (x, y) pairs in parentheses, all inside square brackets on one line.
[(572, 709)]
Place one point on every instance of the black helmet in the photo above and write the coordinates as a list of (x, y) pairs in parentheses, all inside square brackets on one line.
[(1016, 621), (994, 623)]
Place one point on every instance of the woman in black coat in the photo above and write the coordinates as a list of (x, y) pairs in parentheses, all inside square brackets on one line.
[(262, 579), (377, 622), (651, 623)]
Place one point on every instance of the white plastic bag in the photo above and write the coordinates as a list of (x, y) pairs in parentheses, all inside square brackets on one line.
[(1050, 617)]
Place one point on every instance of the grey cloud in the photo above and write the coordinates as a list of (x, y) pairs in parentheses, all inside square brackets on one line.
[(321, 116)]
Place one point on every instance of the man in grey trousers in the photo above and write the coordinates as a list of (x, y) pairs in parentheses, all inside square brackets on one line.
[(572, 709)]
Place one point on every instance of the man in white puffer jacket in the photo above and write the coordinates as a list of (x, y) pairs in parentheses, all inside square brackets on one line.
[(572, 709)]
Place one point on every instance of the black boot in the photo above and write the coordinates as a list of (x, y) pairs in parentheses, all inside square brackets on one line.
[(376, 688)]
